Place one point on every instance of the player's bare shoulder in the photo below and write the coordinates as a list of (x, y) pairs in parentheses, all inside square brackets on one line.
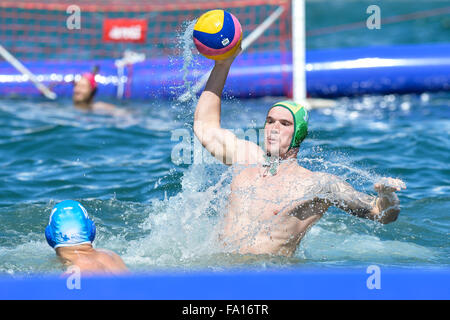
[(88, 265), (315, 182), (324, 177), (111, 261), (329, 182), (302, 173), (106, 256)]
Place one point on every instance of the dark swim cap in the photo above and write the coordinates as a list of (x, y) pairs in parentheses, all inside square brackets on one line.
[(301, 118)]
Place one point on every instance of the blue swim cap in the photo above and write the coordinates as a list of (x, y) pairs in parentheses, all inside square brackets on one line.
[(69, 225)]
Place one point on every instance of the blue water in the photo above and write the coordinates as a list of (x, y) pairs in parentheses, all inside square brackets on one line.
[(158, 214)]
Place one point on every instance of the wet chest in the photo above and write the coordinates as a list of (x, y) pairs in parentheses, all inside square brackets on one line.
[(270, 195)]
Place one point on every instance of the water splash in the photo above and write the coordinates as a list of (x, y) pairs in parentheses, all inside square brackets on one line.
[(183, 227), (185, 46), (188, 58)]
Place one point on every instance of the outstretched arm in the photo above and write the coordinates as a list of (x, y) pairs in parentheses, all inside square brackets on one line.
[(221, 143), (384, 208)]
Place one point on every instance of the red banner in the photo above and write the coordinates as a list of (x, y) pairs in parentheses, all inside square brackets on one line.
[(124, 30)]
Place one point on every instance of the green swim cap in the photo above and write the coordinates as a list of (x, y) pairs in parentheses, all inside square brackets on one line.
[(301, 118)]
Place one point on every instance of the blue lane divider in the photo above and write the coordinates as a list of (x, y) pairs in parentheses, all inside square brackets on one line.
[(239, 285)]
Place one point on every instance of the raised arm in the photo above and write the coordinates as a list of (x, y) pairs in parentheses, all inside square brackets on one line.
[(384, 208), (221, 143)]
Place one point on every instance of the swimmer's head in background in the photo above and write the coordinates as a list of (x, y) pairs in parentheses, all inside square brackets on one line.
[(91, 78), (69, 225), (84, 91), (301, 118)]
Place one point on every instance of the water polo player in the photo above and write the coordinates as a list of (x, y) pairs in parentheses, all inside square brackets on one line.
[(273, 200), (84, 91), (71, 233)]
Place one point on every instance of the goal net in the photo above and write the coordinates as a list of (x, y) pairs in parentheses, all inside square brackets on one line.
[(104, 29)]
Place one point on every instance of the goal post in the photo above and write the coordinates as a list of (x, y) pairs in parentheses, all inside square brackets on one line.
[(298, 51)]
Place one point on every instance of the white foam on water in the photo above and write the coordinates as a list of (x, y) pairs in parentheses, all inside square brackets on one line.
[(182, 227), (332, 242), (28, 257)]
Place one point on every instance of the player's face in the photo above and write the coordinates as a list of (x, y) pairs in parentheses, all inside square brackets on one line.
[(82, 91), (278, 131)]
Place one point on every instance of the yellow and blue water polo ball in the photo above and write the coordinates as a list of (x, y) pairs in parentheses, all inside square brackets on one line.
[(217, 34)]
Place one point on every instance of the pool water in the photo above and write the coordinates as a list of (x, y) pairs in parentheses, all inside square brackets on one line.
[(160, 213)]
